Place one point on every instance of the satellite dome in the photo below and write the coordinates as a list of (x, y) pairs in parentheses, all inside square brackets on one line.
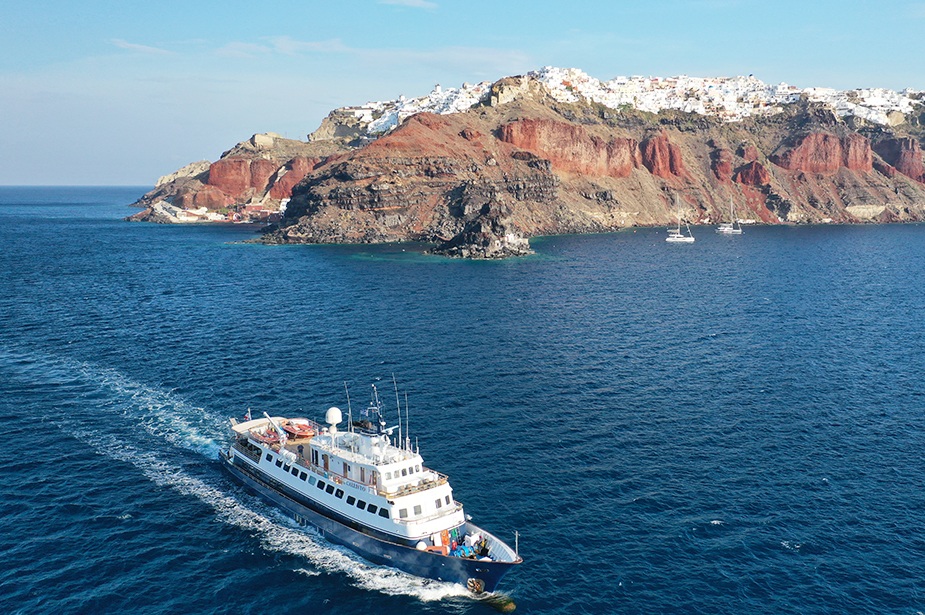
[(333, 416)]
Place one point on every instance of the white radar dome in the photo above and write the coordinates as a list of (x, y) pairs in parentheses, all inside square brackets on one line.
[(333, 416)]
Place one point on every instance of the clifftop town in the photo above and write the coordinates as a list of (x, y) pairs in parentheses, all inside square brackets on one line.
[(481, 168)]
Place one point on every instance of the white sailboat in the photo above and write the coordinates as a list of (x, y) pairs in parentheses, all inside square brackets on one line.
[(729, 228), (674, 234)]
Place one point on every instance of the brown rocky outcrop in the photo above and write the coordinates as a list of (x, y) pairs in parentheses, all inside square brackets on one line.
[(904, 154), (826, 153), (237, 176), (210, 197), (662, 157), (885, 169), (748, 152), (291, 174), (570, 149), (752, 174), (721, 161)]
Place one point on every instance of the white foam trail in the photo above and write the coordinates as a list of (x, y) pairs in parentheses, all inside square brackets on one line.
[(273, 528), (164, 415), (158, 412)]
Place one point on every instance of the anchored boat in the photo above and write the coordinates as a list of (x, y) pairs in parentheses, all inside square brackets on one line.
[(364, 491)]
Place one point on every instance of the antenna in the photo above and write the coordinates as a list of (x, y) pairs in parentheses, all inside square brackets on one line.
[(349, 411), (407, 443), (398, 406)]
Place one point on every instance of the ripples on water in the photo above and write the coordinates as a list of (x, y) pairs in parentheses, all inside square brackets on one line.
[(730, 426)]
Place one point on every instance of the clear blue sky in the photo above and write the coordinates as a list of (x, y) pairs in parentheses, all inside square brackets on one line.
[(121, 92)]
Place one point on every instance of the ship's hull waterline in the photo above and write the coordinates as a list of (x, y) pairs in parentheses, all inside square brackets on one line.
[(487, 574)]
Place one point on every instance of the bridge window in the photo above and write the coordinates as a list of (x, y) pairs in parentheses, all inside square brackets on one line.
[(439, 503), (384, 513), (447, 498), (403, 513), (417, 510), (372, 508)]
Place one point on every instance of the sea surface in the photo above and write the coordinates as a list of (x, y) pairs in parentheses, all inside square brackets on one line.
[(733, 426)]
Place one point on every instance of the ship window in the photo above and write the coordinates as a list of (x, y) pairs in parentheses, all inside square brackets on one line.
[(384, 512), (302, 475), (372, 508), (329, 488), (321, 484), (286, 469), (339, 494), (447, 498), (404, 471), (311, 480), (438, 503), (295, 471), (403, 513), (417, 509), (361, 504), (388, 476), (418, 468), (269, 457), (351, 500), (279, 463)]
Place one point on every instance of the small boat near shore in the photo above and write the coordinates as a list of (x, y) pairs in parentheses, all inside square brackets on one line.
[(674, 234), (363, 489), (729, 228)]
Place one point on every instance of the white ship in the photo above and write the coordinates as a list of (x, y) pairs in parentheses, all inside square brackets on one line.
[(368, 493)]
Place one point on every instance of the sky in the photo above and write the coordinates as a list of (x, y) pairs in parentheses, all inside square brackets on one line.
[(121, 92)]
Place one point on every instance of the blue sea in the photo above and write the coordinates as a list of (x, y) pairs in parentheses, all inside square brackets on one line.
[(733, 426)]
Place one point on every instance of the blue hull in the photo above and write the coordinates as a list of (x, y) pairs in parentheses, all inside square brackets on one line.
[(408, 559)]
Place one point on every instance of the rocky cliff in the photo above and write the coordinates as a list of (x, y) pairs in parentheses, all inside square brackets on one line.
[(520, 163), (251, 181)]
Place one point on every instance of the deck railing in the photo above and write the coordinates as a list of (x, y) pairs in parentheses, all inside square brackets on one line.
[(435, 480), (247, 452)]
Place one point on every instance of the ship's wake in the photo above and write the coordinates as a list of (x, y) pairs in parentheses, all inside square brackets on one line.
[(121, 405)]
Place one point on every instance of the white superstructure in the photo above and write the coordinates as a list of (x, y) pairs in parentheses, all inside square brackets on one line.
[(358, 476)]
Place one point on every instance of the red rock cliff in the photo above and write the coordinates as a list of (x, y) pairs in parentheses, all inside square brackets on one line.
[(825, 153), (571, 149), (905, 155), (753, 174), (295, 170), (662, 157)]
